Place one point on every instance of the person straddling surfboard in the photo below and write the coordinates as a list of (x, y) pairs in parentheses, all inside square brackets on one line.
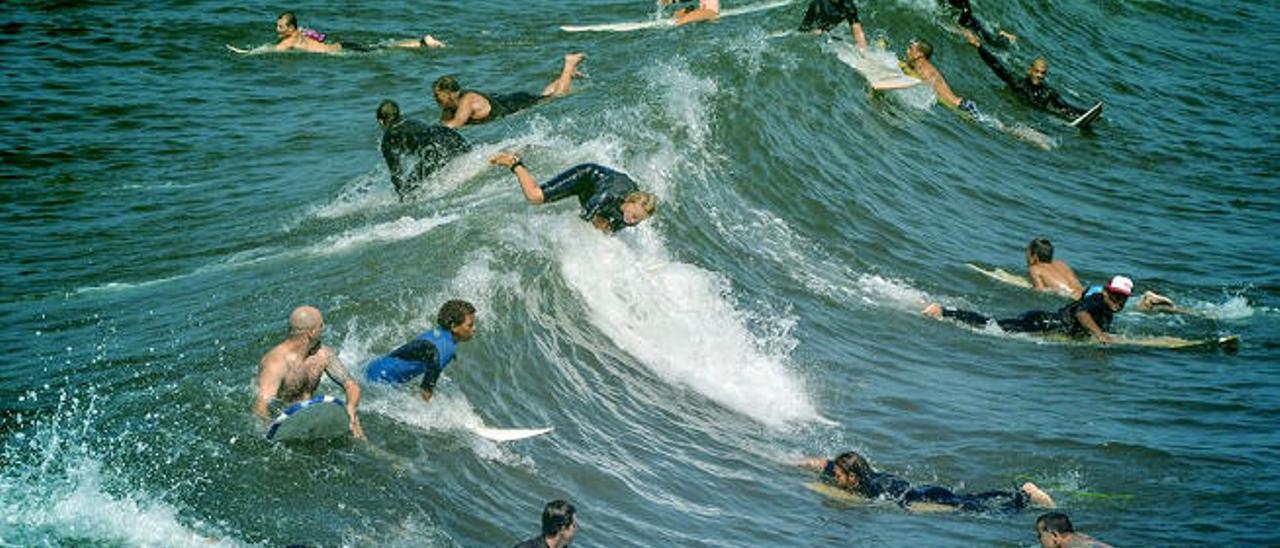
[(1054, 530), (1031, 88), (707, 10), (295, 38), (430, 352), (414, 150), (1089, 315), (851, 472), (290, 372), (610, 200), (1055, 276), (459, 107)]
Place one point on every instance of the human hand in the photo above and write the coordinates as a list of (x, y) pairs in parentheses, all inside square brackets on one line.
[(504, 159), (972, 38), (1011, 37), (1104, 339)]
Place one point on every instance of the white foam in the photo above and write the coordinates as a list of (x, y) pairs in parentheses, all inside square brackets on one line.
[(878, 64), (399, 229)]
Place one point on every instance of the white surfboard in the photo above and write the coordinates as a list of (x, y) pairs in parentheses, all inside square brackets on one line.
[(1088, 117), (241, 51), (507, 434), (668, 21), (1003, 276), (896, 82), (321, 417)]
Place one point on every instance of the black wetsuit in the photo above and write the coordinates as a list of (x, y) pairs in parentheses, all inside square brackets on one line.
[(506, 104), (966, 19), (1041, 96), (824, 15), (413, 150), (900, 491), (1042, 321), (535, 542), (600, 191)]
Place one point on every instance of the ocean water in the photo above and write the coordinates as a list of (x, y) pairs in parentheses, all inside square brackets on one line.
[(166, 203)]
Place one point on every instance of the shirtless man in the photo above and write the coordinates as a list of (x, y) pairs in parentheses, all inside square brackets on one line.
[(459, 107), (291, 371), (918, 53), (1049, 275), (1054, 530), (707, 10), (293, 37)]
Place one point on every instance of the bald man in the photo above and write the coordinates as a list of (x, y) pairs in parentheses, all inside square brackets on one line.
[(291, 371)]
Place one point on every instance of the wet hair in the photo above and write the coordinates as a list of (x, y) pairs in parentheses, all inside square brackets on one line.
[(926, 49), (1041, 249), (557, 516), (388, 111), (446, 83), (645, 200), (1054, 522), (290, 20), (855, 465), (453, 313)]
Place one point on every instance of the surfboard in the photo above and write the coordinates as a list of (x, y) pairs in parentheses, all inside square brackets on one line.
[(1088, 117), (1226, 342), (667, 21), (241, 51), (321, 417), (834, 493), (507, 434), (897, 82), (1003, 276)]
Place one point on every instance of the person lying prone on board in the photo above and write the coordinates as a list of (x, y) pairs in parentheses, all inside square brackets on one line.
[(610, 200), (707, 10), (1088, 316), (290, 372), (1056, 276), (459, 107), (852, 473), (295, 38), (430, 352)]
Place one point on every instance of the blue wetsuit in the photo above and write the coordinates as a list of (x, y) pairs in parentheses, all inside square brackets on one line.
[(600, 191), (426, 355), (900, 491)]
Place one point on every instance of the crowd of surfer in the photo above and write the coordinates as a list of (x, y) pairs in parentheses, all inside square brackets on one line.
[(612, 201)]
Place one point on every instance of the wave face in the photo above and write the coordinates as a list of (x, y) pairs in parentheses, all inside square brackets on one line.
[(166, 203)]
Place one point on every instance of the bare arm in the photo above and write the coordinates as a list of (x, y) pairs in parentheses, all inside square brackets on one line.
[(1087, 321), (339, 374), (528, 185), (701, 14), (859, 37), (285, 45), (461, 115), (270, 374), (940, 87), (816, 464)]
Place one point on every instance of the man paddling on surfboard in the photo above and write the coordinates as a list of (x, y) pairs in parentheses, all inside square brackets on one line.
[(295, 38), (707, 10), (459, 107), (1056, 276), (430, 352), (1088, 316), (1031, 88), (414, 150), (290, 372), (851, 472)]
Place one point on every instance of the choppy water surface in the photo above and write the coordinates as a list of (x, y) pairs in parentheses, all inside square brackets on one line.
[(166, 203)]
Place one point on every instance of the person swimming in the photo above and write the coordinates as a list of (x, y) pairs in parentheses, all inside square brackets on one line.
[(296, 38), (459, 107), (851, 472), (1090, 315), (610, 200), (429, 353), (1031, 88)]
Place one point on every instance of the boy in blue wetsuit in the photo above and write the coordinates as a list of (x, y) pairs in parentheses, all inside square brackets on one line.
[(610, 200), (430, 352), (851, 472)]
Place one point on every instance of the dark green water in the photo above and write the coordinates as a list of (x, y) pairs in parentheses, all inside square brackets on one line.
[(166, 203)]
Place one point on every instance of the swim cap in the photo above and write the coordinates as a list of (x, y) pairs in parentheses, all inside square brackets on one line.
[(1120, 285)]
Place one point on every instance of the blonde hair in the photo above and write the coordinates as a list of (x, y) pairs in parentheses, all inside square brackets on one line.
[(645, 200)]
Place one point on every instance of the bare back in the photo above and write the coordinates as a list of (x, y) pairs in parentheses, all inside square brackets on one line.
[(289, 375), (1056, 277)]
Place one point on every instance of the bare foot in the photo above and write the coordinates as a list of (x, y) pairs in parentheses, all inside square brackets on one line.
[(1038, 496), (431, 42), (934, 310)]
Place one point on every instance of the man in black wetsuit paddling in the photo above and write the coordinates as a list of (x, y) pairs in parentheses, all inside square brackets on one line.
[(459, 107), (1032, 88), (610, 199), (413, 149), (1090, 315)]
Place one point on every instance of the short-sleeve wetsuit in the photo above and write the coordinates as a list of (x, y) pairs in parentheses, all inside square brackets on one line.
[(599, 190), (426, 355)]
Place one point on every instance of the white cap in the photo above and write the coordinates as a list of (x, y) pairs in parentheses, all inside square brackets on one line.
[(1121, 285)]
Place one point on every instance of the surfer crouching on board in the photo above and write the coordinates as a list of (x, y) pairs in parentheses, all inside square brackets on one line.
[(1030, 88), (413, 150), (290, 372), (459, 107), (1090, 315), (430, 352), (851, 472), (295, 38), (610, 200), (1056, 276)]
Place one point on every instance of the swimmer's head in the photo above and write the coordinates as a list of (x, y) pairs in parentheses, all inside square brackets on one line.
[(558, 520), (1038, 71), (286, 24), (306, 321), (852, 472), (1117, 292), (459, 318), (919, 48), (446, 90), (388, 113), (1041, 250), (637, 207), (1051, 527)]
